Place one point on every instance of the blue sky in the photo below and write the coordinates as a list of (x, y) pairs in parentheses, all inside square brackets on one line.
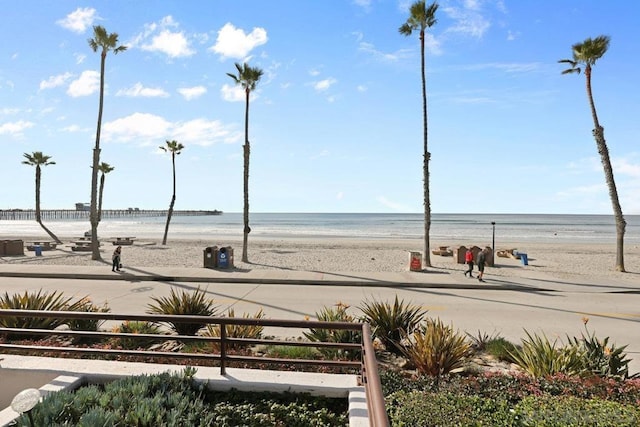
[(335, 122)]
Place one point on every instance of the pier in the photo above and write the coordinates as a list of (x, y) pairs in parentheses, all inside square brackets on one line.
[(71, 214)]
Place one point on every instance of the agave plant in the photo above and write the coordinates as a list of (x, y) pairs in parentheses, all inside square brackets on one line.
[(540, 357), (237, 331), (195, 303), (54, 301), (436, 349), (391, 322), (336, 314), (87, 306), (135, 327)]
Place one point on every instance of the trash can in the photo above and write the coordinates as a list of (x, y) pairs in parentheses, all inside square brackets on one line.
[(415, 261), (524, 258), (210, 256), (38, 250), (225, 257)]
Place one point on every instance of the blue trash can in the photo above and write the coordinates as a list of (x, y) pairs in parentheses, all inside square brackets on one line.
[(524, 259), (223, 258), (38, 250)]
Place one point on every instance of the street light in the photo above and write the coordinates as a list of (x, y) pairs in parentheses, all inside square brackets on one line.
[(493, 242)]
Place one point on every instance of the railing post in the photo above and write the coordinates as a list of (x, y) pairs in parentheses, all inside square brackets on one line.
[(223, 347)]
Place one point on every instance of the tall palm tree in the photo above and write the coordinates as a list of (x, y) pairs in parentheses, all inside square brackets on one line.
[(587, 54), (105, 42), (420, 18), (104, 169), (248, 78), (38, 160), (173, 147)]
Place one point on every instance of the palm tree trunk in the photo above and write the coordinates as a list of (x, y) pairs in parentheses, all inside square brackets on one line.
[(603, 150), (247, 152), (93, 216), (100, 198), (427, 156), (38, 214), (169, 214)]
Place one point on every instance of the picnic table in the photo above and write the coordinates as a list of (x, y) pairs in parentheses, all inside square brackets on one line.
[(44, 245), (123, 241), (81, 245)]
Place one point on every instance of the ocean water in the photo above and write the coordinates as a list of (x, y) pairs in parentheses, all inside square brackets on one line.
[(513, 228)]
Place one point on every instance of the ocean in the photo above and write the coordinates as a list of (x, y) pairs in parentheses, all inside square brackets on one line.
[(444, 227)]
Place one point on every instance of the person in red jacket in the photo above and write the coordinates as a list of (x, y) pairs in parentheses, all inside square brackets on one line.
[(468, 259)]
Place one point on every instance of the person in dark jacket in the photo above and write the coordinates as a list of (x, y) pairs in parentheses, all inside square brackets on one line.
[(482, 259), (117, 255)]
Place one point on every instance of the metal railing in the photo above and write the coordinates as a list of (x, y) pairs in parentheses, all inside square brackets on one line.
[(367, 366)]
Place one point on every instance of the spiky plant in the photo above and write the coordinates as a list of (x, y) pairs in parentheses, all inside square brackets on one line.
[(135, 327), (436, 349), (540, 357), (391, 322), (40, 300), (336, 314), (237, 331), (194, 303), (87, 306)]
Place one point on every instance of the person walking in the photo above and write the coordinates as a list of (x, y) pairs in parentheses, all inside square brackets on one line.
[(117, 255), (468, 259), (482, 259)]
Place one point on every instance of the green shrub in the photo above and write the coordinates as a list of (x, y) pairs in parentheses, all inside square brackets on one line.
[(561, 411), (392, 322), (481, 339), (136, 327), (501, 349), (337, 314), (46, 301), (540, 357), (409, 409), (194, 303), (237, 331), (87, 306), (178, 400), (602, 359), (436, 349), (292, 352)]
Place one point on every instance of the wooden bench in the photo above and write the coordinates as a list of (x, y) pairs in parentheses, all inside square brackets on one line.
[(81, 245), (123, 241), (45, 246)]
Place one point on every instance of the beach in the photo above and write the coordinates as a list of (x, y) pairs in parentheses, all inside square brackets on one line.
[(591, 262)]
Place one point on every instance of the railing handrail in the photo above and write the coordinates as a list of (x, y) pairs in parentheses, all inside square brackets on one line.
[(368, 364)]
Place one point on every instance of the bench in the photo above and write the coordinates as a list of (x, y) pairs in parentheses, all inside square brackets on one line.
[(45, 246), (81, 245), (123, 241)]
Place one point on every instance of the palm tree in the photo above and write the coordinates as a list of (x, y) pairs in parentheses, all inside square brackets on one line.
[(248, 78), (104, 169), (586, 54), (38, 160), (105, 42), (173, 147), (420, 18)]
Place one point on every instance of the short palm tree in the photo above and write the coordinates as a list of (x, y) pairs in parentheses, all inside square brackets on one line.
[(420, 18), (173, 147), (104, 169), (38, 160), (586, 54), (248, 78), (105, 42)]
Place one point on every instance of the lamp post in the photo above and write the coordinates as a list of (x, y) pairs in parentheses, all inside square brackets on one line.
[(493, 241)]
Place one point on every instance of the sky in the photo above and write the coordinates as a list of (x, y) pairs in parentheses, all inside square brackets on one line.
[(335, 122)]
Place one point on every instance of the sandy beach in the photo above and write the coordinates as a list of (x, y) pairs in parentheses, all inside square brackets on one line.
[(585, 262)]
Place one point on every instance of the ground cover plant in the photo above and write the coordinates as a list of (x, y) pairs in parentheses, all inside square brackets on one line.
[(179, 400)]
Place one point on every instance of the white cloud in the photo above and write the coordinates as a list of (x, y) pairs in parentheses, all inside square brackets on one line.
[(190, 93), (80, 57), (361, 88), (392, 205), (79, 20), (232, 93), (149, 129), (233, 42), (162, 37), (370, 49), (55, 81), (137, 90), (15, 128), (313, 72), (72, 128), (323, 85), (87, 84), (174, 45)]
